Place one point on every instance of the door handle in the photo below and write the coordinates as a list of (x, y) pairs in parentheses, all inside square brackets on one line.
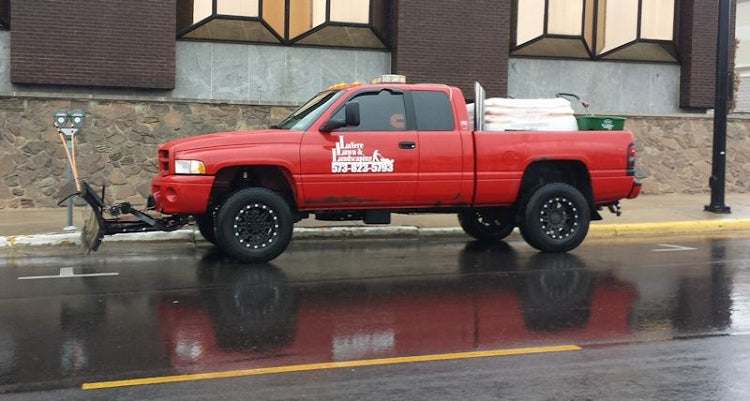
[(407, 145)]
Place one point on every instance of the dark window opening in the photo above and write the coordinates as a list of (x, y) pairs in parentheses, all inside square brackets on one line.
[(4, 14), (381, 111), (433, 111)]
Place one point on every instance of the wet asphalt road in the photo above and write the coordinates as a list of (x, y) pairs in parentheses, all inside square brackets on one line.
[(667, 318)]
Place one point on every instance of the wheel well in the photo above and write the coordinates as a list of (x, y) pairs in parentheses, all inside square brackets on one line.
[(231, 179), (570, 172)]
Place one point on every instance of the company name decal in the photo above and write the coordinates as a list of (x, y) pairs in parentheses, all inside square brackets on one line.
[(351, 158)]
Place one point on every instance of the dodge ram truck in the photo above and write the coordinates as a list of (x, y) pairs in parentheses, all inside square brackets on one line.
[(365, 151)]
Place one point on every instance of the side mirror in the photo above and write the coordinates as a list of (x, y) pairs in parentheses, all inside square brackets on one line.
[(351, 110), (351, 118)]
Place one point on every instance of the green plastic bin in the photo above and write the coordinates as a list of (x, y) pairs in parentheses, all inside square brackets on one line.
[(600, 123)]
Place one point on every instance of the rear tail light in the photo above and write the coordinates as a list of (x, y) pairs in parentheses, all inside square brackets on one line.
[(630, 168)]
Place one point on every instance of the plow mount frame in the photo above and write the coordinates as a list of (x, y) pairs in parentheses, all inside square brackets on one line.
[(124, 218)]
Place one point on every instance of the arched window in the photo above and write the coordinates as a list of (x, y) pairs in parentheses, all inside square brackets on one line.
[(556, 28), (344, 23), (636, 30), (600, 29)]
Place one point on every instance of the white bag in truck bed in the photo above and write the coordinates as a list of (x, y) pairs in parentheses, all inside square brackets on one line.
[(501, 114)]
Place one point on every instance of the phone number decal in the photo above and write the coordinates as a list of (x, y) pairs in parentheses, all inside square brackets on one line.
[(351, 158)]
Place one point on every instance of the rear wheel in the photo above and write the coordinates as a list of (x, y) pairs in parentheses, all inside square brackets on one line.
[(486, 225), (556, 218), (254, 225)]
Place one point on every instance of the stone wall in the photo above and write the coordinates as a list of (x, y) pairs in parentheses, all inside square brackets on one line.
[(118, 143), (674, 153)]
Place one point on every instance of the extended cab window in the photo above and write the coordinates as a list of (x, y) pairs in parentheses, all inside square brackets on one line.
[(378, 111), (433, 111)]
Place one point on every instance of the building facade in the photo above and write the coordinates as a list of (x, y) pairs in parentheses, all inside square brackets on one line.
[(153, 70)]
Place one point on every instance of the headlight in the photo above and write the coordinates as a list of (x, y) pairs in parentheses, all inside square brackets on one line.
[(189, 167)]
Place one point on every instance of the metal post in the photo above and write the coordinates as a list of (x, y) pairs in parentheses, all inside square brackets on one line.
[(69, 171), (67, 125), (718, 163)]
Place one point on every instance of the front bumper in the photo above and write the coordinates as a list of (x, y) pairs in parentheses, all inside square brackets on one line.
[(181, 194)]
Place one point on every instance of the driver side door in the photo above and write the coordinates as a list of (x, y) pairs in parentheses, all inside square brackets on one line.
[(374, 164)]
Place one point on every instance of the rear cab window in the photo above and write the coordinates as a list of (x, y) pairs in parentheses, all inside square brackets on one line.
[(433, 110)]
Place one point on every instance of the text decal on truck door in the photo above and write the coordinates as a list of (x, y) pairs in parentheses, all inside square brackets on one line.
[(351, 158)]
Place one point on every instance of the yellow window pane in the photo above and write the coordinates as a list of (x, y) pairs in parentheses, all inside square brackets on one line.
[(318, 12), (305, 15), (241, 8), (657, 19), (300, 16), (530, 20), (202, 9), (588, 27), (273, 14), (565, 17), (354, 11), (620, 23)]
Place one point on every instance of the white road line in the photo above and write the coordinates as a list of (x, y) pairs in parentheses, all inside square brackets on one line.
[(673, 248), (67, 272)]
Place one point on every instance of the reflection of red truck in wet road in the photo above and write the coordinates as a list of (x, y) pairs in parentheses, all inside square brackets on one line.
[(259, 319)]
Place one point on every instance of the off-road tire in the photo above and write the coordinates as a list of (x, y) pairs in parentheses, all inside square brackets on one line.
[(485, 226), (556, 218), (206, 223), (254, 225)]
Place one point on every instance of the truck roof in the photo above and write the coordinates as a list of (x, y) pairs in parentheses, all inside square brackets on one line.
[(420, 86)]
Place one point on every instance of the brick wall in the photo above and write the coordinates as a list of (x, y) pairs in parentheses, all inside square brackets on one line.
[(698, 35), (105, 43), (453, 42)]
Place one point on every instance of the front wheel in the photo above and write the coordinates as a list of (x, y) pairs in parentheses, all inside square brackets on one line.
[(486, 225), (205, 223), (254, 225), (556, 218)]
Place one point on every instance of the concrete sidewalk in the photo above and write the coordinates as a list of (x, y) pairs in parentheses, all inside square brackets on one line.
[(646, 215)]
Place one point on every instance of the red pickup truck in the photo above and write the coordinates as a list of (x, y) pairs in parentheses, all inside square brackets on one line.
[(362, 152)]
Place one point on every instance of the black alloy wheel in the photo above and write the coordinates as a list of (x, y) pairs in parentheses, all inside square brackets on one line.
[(486, 225), (254, 225), (556, 218)]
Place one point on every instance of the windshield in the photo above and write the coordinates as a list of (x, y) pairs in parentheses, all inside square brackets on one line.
[(303, 117)]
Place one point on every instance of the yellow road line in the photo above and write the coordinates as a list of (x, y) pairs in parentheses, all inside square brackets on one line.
[(327, 365)]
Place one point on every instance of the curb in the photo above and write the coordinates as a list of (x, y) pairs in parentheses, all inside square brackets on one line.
[(630, 230), (627, 230)]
